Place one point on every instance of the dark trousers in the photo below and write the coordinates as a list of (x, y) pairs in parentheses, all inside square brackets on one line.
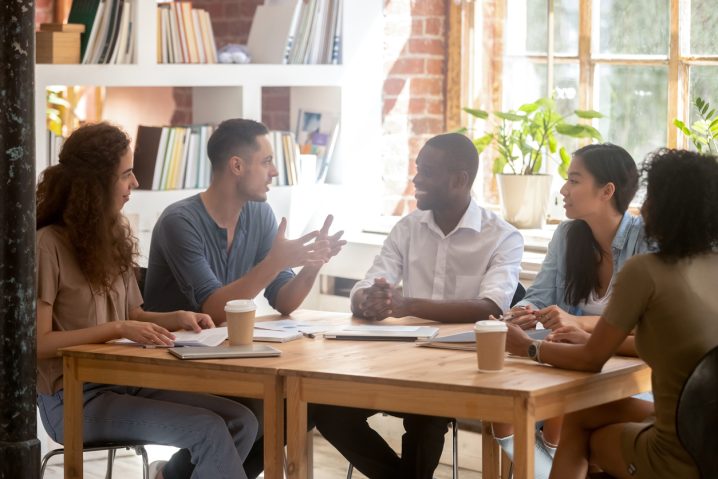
[(349, 432)]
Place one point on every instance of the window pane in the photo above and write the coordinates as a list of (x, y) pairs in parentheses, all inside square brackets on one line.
[(525, 81), (704, 84), (638, 27), (704, 18), (526, 22), (634, 102)]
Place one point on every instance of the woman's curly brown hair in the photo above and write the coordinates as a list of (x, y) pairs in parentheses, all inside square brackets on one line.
[(681, 202), (78, 194)]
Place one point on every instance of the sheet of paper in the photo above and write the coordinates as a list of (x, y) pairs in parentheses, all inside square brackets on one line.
[(206, 337), (296, 326)]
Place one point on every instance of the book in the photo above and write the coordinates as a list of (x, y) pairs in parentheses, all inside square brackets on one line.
[(466, 341), (271, 32), (276, 336), (383, 333), (147, 146), (84, 12), (205, 338)]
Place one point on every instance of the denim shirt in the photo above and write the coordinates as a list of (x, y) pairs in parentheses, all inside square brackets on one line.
[(549, 287)]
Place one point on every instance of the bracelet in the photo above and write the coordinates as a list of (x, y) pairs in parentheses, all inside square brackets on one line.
[(538, 352)]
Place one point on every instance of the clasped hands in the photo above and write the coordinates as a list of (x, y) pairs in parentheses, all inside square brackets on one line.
[(311, 250), (381, 300)]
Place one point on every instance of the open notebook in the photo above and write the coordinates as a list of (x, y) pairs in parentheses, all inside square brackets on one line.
[(383, 333), (466, 341)]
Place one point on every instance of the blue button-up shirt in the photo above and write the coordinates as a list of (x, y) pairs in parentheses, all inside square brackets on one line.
[(549, 287)]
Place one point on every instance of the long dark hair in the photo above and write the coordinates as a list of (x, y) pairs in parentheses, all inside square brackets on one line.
[(607, 163), (77, 194), (681, 202)]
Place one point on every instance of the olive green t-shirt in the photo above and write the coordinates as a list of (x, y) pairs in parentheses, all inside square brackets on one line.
[(61, 283), (674, 309)]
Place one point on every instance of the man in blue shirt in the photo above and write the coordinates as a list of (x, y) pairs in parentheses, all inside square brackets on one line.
[(225, 244)]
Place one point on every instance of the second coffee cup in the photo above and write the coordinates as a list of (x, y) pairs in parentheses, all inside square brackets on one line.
[(490, 345), (240, 321)]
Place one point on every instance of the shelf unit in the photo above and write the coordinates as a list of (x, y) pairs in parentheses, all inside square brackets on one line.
[(353, 90)]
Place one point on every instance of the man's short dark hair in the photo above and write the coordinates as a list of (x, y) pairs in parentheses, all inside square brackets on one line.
[(233, 137), (459, 153)]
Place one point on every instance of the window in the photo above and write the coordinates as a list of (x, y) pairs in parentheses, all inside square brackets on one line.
[(640, 62)]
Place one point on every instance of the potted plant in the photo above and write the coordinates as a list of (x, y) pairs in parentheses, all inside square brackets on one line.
[(704, 131), (523, 140)]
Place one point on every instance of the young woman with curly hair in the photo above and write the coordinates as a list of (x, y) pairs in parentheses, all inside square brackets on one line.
[(87, 293), (669, 299)]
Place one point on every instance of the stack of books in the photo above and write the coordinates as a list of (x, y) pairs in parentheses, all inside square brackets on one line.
[(297, 31), (184, 34), (109, 30), (172, 157)]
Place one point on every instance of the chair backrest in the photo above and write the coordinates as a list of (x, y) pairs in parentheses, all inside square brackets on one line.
[(697, 415), (141, 274), (518, 295)]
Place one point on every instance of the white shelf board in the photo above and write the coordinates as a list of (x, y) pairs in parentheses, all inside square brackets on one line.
[(189, 75)]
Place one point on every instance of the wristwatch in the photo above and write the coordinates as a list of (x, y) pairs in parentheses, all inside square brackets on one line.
[(534, 351)]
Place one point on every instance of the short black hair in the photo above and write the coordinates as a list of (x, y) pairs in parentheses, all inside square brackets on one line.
[(459, 151), (233, 137), (681, 202)]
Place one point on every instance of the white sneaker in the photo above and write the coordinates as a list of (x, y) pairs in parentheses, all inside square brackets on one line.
[(156, 468)]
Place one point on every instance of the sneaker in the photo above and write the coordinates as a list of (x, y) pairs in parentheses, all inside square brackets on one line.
[(542, 459), (156, 468)]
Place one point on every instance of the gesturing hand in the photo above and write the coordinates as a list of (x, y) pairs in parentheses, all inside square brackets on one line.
[(286, 253), (569, 334), (192, 321), (554, 317), (335, 241), (523, 316), (146, 333)]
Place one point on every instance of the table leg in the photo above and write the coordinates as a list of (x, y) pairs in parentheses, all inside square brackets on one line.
[(489, 453), (524, 439), (273, 428), (73, 419), (296, 430)]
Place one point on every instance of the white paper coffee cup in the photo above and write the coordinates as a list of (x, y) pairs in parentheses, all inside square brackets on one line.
[(490, 345), (240, 321)]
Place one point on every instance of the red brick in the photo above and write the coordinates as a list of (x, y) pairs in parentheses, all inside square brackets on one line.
[(407, 66), (417, 106), (394, 86), (417, 26), (232, 10), (423, 125), (435, 66), (426, 86), (427, 46), (429, 7), (435, 107), (434, 26)]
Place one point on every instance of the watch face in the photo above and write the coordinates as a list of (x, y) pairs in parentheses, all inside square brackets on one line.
[(532, 350)]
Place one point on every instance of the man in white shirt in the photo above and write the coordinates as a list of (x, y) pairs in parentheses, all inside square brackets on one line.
[(457, 263)]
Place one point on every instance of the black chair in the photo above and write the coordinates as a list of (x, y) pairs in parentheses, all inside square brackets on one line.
[(141, 274), (518, 296), (111, 449), (697, 415)]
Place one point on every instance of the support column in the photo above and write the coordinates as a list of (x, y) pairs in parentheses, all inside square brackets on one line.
[(19, 446)]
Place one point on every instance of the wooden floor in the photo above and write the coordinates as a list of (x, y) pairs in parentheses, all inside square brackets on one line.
[(328, 464)]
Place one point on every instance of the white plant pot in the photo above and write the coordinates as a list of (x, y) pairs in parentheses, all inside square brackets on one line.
[(524, 199)]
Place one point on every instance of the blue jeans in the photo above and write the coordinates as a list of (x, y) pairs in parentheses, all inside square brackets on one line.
[(216, 432)]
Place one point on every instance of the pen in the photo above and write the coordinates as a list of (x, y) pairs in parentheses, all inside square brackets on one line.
[(158, 346), (308, 335)]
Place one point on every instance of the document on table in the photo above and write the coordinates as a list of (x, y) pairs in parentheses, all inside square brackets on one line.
[(296, 326), (206, 337)]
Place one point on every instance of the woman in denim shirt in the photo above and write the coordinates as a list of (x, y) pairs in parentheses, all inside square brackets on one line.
[(583, 258)]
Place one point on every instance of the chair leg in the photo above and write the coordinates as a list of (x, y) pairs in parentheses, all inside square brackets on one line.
[(455, 452), (350, 471), (47, 457), (110, 462), (141, 451)]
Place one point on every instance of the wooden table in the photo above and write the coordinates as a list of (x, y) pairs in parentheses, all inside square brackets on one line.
[(403, 377), (156, 368)]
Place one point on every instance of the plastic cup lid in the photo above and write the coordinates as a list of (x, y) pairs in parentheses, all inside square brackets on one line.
[(240, 306), (490, 326)]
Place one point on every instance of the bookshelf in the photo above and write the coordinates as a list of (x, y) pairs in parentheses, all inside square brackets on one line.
[(220, 91)]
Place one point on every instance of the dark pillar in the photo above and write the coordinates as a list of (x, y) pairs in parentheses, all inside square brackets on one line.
[(19, 446)]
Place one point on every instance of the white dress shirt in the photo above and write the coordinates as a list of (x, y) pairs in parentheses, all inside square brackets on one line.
[(479, 259)]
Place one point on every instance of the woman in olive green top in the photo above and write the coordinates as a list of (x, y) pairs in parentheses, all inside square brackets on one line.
[(669, 299)]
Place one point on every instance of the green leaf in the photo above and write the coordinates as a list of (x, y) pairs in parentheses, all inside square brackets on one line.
[(483, 141), (565, 162), (588, 114), (529, 107), (682, 127), (575, 131), (710, 115), (477, 113), (592, 132), (499, 164), (552, 144), (508, 116)]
